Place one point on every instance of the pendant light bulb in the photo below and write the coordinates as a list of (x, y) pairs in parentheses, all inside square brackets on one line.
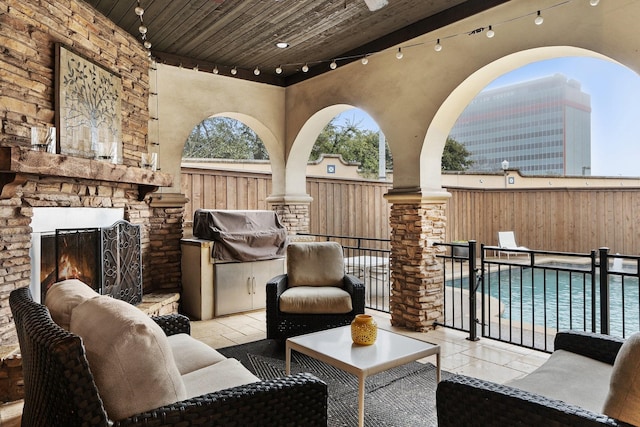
[(399, 54), (142, 29), (234, 71), (490, 33), (279, 69), (539, 19), (215, 70), (139, 11), (364, 60), (305, 68), (438, 46), (147, 44), (256, 71), (333, 65)]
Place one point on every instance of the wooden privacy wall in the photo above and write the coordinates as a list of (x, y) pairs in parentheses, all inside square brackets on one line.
[(339, 207), (554, 219), (558, 219)]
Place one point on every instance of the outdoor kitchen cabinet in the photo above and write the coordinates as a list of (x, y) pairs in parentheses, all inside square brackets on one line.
[(213, 288), (241, 286), (226, 266)]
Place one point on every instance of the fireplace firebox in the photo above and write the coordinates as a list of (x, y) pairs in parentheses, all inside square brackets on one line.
[(108, 259)]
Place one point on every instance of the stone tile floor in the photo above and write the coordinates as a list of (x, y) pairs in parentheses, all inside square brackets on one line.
[(486, 359)]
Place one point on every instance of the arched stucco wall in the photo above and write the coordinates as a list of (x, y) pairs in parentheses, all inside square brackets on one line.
[(186, 97), (415, 100), (302, 146), (455, 103)]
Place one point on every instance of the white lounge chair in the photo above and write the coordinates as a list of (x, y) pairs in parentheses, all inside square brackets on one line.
[(507, 240)]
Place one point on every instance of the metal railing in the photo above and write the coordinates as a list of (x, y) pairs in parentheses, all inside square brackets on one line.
[(367, 259), (526, 296)]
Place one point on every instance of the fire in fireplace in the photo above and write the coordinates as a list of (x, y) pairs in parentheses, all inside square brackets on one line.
[(107, 258)]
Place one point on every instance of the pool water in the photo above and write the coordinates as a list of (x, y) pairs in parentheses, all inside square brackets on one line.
[(562, 300)]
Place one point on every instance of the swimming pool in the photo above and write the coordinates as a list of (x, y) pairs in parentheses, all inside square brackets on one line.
[(559, 299), (563, 300)]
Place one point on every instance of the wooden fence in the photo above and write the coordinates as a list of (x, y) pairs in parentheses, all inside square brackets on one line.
[(557, 219), (340, 206)]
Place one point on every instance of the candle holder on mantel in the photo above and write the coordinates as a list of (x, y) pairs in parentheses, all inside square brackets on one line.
[(149, 161), (43, 138), (107, 151)]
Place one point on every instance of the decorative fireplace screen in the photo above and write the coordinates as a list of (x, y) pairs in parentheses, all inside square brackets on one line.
[(108, 259)]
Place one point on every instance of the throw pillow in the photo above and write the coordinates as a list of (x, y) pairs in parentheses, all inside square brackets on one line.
[(623, 400), (129, 356), (62, 297), (315, 264)]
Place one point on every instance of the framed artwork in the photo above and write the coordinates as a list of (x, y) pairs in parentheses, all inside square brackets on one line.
[(88, 108)]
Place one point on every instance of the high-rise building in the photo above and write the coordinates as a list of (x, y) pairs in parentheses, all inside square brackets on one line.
[(541, 127)]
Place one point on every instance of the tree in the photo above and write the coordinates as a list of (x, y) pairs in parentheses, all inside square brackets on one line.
[(455, 156), (353, 144), (224, 138)]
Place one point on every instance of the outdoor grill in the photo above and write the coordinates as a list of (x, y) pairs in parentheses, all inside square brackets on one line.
[(250, 235)]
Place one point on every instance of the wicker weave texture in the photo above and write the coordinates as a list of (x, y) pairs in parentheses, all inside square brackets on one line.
[(60, 390)]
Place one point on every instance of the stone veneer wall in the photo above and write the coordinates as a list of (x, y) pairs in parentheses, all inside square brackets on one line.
[(417, 299), (29, 30), (294, 216)]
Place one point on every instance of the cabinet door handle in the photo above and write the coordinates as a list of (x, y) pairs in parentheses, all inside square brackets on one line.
[(249, 285), (253, 279)]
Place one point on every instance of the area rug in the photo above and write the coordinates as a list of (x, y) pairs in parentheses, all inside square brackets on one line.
[(399, 397)]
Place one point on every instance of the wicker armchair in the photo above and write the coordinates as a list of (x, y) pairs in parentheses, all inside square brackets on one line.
[(281, 324), (467, 401), (60, 390)]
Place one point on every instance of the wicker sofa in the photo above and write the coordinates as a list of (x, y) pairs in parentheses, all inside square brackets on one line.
[(589, 380), (60, 387)]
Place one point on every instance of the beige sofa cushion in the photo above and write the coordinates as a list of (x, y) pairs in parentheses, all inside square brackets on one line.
[(62, 297), (225, 374), (191, 354), (129, 356), (569, 377), (315, 264), (315, 299), (623, 400)]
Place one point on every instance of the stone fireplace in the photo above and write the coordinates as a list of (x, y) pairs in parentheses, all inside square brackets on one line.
[(41, 192), (31, 180), (95, 245)]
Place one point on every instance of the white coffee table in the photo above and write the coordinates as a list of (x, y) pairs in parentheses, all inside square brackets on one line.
[(334, 347)]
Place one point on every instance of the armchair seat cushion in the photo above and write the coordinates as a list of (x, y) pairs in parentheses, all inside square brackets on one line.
[(191, 355), (228, 373), (569, 377), (315, 299)]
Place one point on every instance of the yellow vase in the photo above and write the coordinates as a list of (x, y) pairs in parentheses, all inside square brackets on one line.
[(364, 329)]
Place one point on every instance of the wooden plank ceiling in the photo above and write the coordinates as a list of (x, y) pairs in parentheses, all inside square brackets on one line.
[(242, 34)]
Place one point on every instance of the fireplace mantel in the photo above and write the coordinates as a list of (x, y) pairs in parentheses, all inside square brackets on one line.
[(17, 163)]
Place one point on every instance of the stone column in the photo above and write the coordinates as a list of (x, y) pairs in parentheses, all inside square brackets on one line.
[(417, 221), (293, 212)]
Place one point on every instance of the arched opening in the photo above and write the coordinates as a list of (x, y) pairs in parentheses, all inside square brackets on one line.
[(456, 102), (351, 146), (239, 176), (222, 141)]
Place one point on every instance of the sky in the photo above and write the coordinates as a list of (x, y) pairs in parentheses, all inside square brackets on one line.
[(615, 104)]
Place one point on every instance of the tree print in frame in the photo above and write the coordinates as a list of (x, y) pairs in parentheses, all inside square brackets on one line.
[(88, 110)]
